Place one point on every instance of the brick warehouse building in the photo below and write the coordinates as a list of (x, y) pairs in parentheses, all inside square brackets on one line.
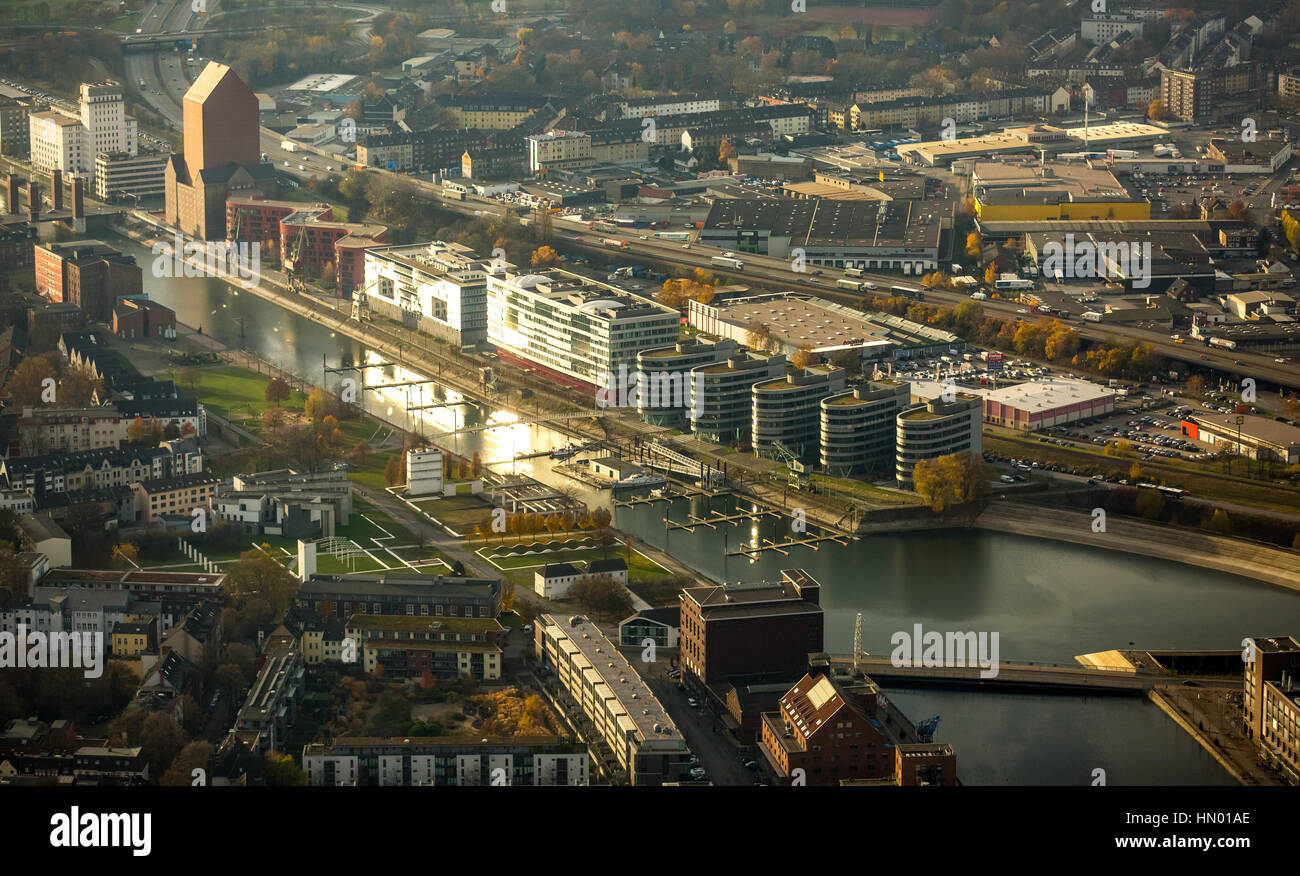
[(839, 730), (222, 154), (736, 630), (87, 273), (309, 229)]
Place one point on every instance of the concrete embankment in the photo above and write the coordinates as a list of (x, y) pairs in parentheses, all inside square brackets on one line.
[(1246, 558)]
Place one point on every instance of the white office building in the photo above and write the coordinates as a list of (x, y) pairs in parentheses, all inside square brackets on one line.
[(576, 331), (72, 143), (424, 472), (437, 288)]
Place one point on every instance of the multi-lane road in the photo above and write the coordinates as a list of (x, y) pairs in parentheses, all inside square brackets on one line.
[(780, 273)]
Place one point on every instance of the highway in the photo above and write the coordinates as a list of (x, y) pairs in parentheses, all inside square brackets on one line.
[(778, 272)]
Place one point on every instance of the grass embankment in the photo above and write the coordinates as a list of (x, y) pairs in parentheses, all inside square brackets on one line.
[(1191, 476), (232, 392)]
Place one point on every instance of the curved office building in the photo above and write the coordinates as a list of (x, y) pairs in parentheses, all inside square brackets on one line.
[(722, 400), (936, 429), (787, 410), (664, 378), (858, 427)]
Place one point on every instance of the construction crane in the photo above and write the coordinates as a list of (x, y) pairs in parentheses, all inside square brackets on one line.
[(293, 264), (361, 301), (925, 730), (798, 471)]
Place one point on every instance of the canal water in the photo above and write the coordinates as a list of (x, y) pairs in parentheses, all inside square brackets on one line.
[(1047, 600)]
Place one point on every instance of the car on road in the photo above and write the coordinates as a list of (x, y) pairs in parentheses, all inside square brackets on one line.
[(698, 774), (751, 765), (692, 702)]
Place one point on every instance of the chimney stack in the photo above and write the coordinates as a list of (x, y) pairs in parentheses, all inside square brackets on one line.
[(56, 190), (78, 198), (33, 201)]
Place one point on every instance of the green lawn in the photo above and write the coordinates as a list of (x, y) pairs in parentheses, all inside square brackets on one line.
[(371, 472), (232, 392), (461, 513)]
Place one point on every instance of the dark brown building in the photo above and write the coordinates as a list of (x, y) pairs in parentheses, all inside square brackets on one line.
[(88, 274), (743, 630), (222, 154), (829, 732)]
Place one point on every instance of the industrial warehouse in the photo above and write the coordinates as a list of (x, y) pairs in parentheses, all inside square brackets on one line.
[(896, 235), (792, 322), (1036, 404)]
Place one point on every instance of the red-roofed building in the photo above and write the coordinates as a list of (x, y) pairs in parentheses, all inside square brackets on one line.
[(828, 732)]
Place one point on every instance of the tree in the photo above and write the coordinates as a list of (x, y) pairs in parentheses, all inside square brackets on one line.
[(393, 474), (146, 432), (1156, 110), (601, 597), (195, 756), (274, 421), (803, 356), (127, 556), (77, 387), (170, 431), (1219, 523), (257, 573), (277, 390), (279, 771), (973, 245), (1150, 504), (27, 383), (726, 151), (319, 404), (543, 256), (1196, 386), (161, 739), (507, 595), (949, 480)]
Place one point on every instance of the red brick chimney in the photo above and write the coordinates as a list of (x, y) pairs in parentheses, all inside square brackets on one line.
[(56, 189)]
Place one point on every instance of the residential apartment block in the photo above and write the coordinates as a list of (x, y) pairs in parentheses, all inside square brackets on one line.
[(174, 496), (453, 761), (629, 720), (90, 274), (401, 593)]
